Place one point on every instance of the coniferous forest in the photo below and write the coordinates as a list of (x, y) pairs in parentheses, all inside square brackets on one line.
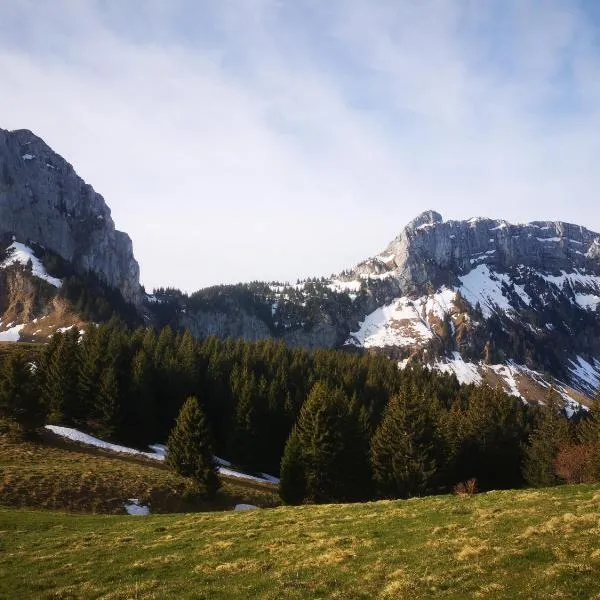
[(337, 426)]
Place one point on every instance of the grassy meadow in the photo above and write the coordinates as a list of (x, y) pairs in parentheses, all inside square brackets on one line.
[(509, 544), (58, 474)]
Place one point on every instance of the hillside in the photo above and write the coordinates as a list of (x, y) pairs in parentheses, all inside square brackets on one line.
[(511, 544), (58, 474)]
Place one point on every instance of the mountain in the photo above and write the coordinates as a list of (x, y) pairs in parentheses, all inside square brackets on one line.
[(512, 305), (43, 200), (62, 262)]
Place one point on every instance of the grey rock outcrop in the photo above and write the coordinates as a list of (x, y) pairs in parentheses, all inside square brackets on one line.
[(42, 199), (430, 251)]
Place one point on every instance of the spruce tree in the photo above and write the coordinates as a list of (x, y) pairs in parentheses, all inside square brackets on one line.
[(190, 449), (109, 406), (327, 436), (550, 433), (61, 380), (19, 396), (292, 486), (403, 447)]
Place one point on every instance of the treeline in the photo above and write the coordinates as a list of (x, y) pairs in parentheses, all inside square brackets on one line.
[(341, 426)]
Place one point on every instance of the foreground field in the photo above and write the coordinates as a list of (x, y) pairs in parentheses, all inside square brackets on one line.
[(58, 474), (525, 544)]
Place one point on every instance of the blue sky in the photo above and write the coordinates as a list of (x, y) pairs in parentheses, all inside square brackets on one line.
[(276, 139)]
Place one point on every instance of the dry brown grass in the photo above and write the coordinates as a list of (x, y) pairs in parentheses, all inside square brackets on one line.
[(61, 475)]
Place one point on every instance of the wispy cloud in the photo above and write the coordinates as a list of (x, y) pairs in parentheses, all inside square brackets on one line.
[(273, 139)]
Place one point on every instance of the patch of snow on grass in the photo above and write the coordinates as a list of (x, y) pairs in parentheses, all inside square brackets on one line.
[(22, 254), (395, 324), (134, 508), (507, 372), (12, 334), (84, 438), (466, 372), (238, 475), (159, 452), (242, 507)]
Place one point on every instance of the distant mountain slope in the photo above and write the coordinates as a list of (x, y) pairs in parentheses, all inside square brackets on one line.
[(514, 305)]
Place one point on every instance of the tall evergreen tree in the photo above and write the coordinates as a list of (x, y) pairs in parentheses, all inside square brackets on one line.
[(403, 454), (109, 405), (327, 436), (190, 448), (61, 380), (19, 396), (549, 434), (292, 485)]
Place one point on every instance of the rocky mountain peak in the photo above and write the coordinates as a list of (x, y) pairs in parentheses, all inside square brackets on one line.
[(431, 251), (43, 200)]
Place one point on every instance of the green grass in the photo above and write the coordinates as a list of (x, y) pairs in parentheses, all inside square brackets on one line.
[(61, 475), (510, 544)]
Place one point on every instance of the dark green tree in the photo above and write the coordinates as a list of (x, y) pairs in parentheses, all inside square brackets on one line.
[(549, 434), (328, 433), (109, 406), (403, 449), (190, 448), (292, 486), (60, 392), (19, 396)]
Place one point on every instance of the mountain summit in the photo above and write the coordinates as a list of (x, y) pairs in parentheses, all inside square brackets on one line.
[(43, 200)]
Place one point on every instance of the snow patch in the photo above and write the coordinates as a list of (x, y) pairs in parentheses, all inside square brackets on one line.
[(134, 508), (586, 374), (395, 324), (12, 334), (483, 286), (465, 372), (22, 254), (28, 156), (242, 507), (344, 286), (587, 301), (159, 452), (84, 438)]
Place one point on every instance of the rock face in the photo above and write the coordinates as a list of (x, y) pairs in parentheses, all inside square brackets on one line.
[(513, 305), (42, 199), (429, 250)]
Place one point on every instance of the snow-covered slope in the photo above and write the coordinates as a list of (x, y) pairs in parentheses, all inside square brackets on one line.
[(158, 452)]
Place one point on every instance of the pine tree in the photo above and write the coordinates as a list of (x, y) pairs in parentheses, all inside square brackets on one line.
[(61, 379), (190, 449), (403, 447), (19, 396), (551, 432), (292, 486), (109, 405), (142, 399), (327, 436)]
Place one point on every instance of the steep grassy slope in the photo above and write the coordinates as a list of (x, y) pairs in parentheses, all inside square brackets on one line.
[(517, 544), (59, 474)]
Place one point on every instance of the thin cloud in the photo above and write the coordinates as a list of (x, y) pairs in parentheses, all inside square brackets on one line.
[(270, 140)]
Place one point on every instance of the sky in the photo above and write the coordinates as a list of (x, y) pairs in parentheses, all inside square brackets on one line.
[(240, 140)]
